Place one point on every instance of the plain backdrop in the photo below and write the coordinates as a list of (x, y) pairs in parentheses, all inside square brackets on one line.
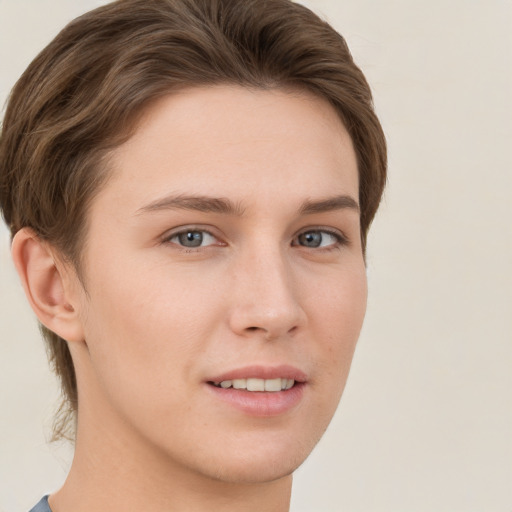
[(425, 423)]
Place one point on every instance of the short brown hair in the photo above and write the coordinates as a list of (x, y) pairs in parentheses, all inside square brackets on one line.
[(82, 95)]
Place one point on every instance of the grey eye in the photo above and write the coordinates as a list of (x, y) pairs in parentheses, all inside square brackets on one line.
[(318, 239), (311, 239), (193, 238)]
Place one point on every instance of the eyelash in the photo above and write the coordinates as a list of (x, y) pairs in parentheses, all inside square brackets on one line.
[(341, 239)]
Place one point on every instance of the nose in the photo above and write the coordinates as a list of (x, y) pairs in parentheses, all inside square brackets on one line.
[(266, 297)]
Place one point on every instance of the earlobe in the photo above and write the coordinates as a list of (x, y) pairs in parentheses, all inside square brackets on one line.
[(47, 285)]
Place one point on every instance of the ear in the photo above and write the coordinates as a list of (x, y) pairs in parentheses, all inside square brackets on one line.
[(49, 284)]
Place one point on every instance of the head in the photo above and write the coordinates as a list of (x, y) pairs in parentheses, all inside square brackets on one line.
[(78, 134)]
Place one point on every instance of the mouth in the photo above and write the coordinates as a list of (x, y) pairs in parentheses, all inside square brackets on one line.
[(255, 384), (260, 391)]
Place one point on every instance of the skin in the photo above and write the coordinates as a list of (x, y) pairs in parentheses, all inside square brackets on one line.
[(157, 319)]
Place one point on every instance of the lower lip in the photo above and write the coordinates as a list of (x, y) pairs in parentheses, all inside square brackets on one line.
[(260, 403)]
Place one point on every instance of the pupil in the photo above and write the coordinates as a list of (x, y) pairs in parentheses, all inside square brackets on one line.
[(191, 239), (311, 239)]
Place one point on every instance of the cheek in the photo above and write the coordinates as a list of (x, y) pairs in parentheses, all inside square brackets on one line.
[(336, 310), (151, 320), (142, 349), (338, 302), (337, 317), (141, 323)]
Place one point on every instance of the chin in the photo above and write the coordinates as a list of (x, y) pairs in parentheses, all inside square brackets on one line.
[(256, 472), (260, 461)]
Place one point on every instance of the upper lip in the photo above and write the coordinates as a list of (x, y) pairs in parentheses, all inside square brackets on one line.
[(262, 372)]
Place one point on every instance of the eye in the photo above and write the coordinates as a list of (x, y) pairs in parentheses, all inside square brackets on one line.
[(315, 239), (192, 238)]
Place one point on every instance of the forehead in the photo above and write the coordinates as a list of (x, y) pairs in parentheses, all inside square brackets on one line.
[(234, 141)]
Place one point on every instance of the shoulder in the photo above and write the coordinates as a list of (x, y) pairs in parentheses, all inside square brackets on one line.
[(42, 506)]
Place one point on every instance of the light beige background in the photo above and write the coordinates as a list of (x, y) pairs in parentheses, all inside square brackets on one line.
[(426, 421)]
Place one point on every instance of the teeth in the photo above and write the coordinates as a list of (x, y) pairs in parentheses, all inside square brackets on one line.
[(239, 383), (257, 384), (273, 384)]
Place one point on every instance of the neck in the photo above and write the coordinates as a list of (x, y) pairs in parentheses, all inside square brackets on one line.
[(113, 469)]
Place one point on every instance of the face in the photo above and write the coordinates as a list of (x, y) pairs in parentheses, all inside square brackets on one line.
[(224, 265)]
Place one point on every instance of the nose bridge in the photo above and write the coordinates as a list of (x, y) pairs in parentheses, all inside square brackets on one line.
[(266, 299)]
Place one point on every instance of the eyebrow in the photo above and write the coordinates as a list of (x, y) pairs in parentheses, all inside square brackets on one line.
[(224, 206), (204, 204), (326, 205)]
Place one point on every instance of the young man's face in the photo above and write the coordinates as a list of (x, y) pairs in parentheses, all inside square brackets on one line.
[(224, 250)]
